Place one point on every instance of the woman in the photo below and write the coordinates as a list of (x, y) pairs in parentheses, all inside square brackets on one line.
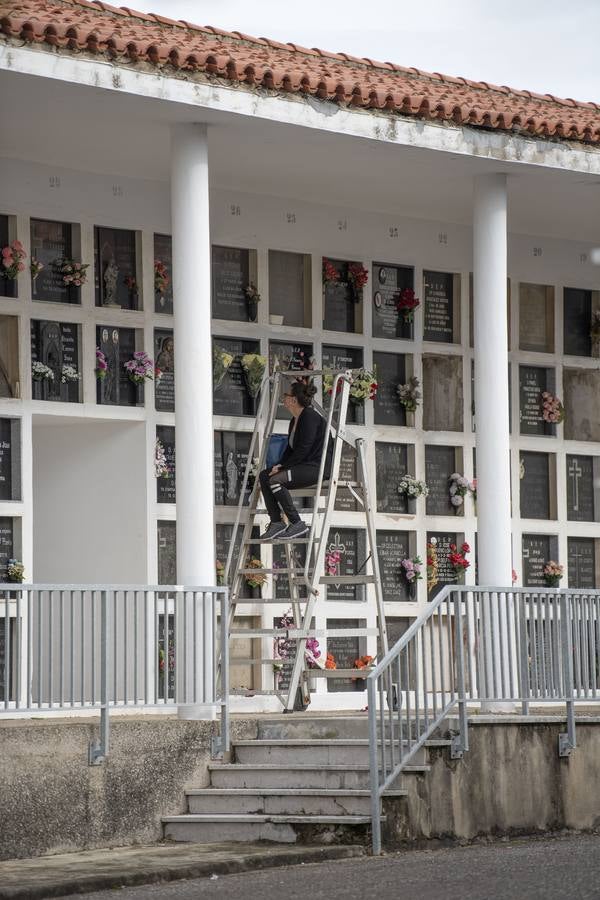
[(299, 465)]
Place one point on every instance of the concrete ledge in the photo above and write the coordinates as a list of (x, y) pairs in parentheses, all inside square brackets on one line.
[(76, 873)]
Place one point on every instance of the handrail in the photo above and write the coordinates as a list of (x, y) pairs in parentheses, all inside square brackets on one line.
[(484, 644), (78, 648)]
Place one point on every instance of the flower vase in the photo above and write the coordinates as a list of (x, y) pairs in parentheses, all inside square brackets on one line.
[(596, 346), (552, 580), (412, 590), (252, 310), (37, 392)]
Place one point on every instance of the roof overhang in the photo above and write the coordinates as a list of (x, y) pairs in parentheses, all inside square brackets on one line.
[(208, 101)]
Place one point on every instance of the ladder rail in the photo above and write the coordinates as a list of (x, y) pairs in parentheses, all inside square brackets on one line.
[(319, 553), (372, 538)]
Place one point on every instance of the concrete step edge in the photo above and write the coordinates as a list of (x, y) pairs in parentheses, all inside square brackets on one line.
[(287, 792), (261, 818), (278, 767), (296, 743)]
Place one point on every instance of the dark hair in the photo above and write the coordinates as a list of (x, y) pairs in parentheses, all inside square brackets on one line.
[(303, 392)]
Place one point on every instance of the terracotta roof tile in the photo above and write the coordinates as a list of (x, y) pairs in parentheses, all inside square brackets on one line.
[(182, 49)]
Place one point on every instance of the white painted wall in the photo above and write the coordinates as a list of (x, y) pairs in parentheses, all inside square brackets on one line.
[(89, 524), (71, 475)]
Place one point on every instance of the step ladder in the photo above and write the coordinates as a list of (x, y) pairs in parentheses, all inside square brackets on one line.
[(307, 581)]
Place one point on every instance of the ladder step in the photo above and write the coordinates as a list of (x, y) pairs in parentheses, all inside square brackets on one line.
[(298, 573), (295, 634), (346, 579)]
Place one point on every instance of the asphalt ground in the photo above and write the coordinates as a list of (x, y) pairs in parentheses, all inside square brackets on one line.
[(533, 869)]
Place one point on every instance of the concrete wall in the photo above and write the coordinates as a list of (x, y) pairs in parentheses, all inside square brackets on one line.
[(512, 781), (52, 801), (88, 491)]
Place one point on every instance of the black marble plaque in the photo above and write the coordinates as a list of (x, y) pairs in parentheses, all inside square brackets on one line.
[(342, 358), (346, 650), (440, 464), (230, 278), (7, 544), (231, 398), (348, 472), (339, 307), (116, 388), (537, 550), (289, 357), (396, 628), (50, 243), (582, 562), (350, 542), (8, 286), (577, 320), (167, 552), (533, 380), (438, 322), (287, 288), (163, 288), (223, 535), (390, 371), (581, 505), (56, 345), (116, 269), (535, 485), (391, 462), (231, 455), (164, 360), (446, 574), (3, 653), (281, 581), (10, 459), (392, 548), (388, 282), (165, 485), (166, 656)]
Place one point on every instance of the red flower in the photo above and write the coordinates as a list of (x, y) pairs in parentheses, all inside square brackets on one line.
[(358, 275), (465, 548), (330, 273)]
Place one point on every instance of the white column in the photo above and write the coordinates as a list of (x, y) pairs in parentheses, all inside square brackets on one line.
[(491, 407), (190, 228), (491, 381)]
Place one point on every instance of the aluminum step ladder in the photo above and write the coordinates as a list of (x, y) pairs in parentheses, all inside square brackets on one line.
[(306, 581)]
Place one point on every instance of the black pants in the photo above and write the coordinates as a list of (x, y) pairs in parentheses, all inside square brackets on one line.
[(275, 489)]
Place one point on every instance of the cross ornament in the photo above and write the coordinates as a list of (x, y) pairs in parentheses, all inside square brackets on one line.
[(337, 545), (575, 472)]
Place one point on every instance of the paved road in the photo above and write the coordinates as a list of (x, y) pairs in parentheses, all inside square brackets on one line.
[(542, 869)]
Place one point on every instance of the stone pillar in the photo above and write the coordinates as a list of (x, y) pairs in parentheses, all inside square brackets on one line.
[(190, 228), (491, 399)]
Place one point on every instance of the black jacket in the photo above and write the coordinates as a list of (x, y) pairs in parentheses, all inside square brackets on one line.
[(308, 440)]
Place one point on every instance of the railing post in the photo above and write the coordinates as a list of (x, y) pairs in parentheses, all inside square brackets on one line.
[(374, 765), (567, 740), (98, 749), (460, 743)]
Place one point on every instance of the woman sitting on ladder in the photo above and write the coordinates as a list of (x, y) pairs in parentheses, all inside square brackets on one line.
[(298, 467)]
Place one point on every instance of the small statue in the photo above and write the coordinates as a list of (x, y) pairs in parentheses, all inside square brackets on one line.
[(232, 476), (111, 273)]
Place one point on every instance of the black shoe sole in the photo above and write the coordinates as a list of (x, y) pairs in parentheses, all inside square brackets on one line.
[(295, 537), (272, 537)]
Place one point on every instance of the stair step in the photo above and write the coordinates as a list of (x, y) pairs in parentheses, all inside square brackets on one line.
[(283, 801), (211, 829), (334, 752), (310, 727), (244, 775)]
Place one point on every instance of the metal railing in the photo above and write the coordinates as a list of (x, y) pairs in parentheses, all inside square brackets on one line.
[(79, 648), (488, 645)]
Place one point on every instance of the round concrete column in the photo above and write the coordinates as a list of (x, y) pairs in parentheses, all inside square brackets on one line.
[(492, 418), (193, 389)]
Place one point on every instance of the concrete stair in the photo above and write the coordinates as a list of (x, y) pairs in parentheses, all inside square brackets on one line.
[(302, 780)]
